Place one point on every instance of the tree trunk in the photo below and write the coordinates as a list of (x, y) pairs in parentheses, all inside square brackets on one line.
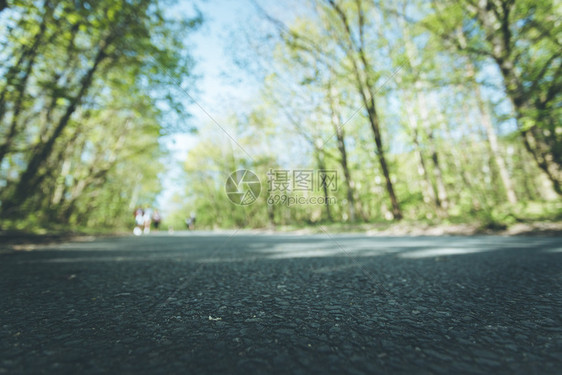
[(486, 120), (32, 177), (60, 183), (441, 198), (338, 128), (270, 213), (515, 90), (428, 191), (367, 92), (441, 190), (494, 147), (374, 121), (543, 159), (322, 167)]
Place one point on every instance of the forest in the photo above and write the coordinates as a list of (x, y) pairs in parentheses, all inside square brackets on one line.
[(359, 112), (84, 99)]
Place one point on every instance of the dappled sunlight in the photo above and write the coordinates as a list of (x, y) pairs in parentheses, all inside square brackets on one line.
[(413, 251), (439, 252), (321, 246), (305, 253), (405, 247), (207, 248)]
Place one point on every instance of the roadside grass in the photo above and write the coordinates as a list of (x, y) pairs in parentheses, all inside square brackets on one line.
[(525, 216)]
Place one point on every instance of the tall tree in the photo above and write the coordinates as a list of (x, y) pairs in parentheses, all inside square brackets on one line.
[(353, 42), (343, 25), (522, 39), (67, 65)]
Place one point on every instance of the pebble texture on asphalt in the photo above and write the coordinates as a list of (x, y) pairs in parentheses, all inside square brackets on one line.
[(202, 303)]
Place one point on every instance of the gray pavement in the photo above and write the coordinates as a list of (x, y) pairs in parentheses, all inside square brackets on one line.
[(241, 302)]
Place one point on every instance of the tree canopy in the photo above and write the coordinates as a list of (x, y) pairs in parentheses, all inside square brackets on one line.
[(84, 91), (432, 111), (412, 109)]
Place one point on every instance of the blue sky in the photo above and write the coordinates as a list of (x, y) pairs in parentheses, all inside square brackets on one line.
[(215, 89)]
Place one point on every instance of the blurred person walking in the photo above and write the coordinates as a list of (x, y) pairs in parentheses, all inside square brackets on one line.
[(139, 222), (190, 221), (147, 218), (156, 218)]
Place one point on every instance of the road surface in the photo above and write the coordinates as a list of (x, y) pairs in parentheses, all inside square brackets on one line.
[(240, 302)]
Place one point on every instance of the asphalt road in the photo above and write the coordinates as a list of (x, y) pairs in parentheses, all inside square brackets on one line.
[(198, 303)]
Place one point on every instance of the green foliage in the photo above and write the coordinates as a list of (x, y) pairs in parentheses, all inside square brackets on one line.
[(450, 123), (83, 102), (432, 111)]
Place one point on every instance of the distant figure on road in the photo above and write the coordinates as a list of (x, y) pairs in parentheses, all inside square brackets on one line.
[(147, 217), (139, 222), (190, 221), (156, 219)]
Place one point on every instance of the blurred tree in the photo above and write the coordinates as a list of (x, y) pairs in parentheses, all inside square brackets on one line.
[(84, 92), (522, 38)]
